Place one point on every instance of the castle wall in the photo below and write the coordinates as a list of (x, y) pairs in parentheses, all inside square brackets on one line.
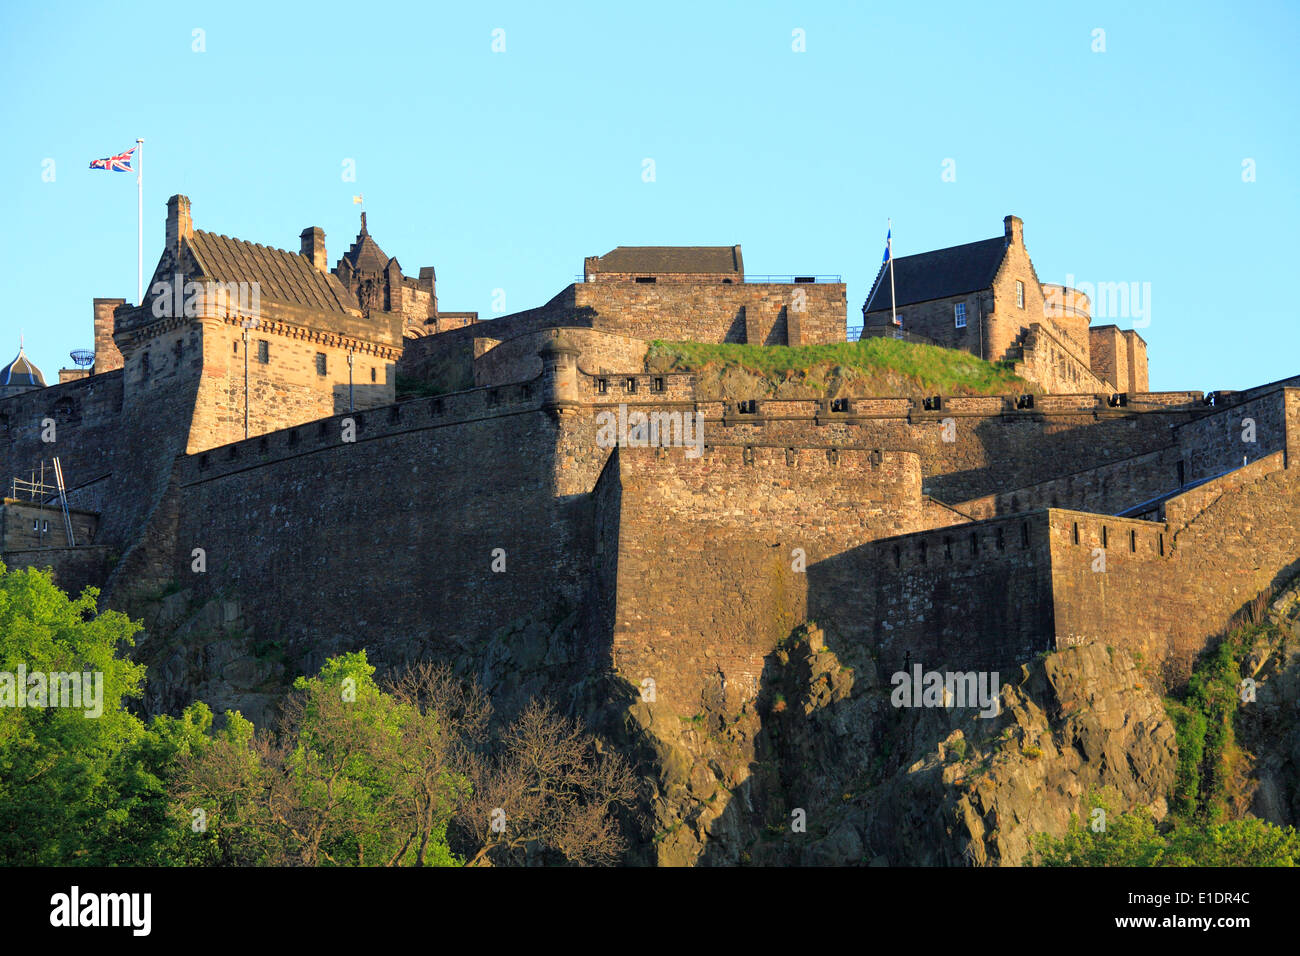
[(1110, 357), (516, 360), (1136, 350), (1106, 489), (73, 569), (287, 389), (1052, 360), (964, 597), (1229, 541), (705, 566), (1215, 443), (387, 541)]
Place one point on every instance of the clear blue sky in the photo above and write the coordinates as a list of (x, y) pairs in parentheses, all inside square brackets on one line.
[(503, 170)]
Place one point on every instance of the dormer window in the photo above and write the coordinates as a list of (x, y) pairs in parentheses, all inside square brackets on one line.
[(1020, 294)]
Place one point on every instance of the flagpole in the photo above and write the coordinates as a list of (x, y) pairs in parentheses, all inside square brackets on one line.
[(893, 311), (139, 231)]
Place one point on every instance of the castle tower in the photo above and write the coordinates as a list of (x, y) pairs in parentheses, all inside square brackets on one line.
[(559, 374)]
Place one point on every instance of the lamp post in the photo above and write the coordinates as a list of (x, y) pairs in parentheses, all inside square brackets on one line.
[(247, 324), (349, 380)]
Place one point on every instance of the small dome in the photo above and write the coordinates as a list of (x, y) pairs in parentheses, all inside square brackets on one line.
[(21, 373)]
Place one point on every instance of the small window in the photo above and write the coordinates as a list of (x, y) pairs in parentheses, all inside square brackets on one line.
[(1160, 544), (1076, 532), (959, 315), (644, 279), (658, 385), (1001, 541), (1020, 294), (372, 373), (630, 385), (947, 548), (1105, 536), (263, 351), (1133, 541), (236, 345), (974, 543), (1024, 534), (748, 407), (320, 363), (921, 549), (602, 385)]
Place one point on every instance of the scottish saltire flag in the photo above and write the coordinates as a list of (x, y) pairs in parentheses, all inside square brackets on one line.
[(888, 236), (121, 163)]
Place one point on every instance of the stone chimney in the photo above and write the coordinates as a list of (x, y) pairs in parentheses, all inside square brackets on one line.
[(1014, 228), (107, 356), (313, 247), (179, 224)]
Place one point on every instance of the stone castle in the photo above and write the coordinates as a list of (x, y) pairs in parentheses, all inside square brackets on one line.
[(238, 468)]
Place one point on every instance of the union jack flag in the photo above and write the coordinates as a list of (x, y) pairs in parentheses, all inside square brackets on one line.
[(121, 163)]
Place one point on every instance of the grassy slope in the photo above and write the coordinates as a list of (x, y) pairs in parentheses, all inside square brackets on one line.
[(874, 367)]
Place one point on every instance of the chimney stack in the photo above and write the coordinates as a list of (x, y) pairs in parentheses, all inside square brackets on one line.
[(313, 247), (179, 224), (1014, 228), (107, 356)]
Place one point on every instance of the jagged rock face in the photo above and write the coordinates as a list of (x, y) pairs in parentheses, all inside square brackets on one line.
[(831, 773), (1269, 726)]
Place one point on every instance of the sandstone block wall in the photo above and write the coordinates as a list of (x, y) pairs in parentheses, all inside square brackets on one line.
[(73, 569), (706, 578), (25, 525), (931, 588), (1217, 442), (936, 320), (1109, 354)]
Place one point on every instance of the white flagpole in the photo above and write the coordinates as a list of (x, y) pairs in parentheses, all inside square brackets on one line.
[(893, 311), (139, 232)]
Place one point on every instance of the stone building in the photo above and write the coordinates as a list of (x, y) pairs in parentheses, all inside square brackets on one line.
[(649, 264), (985, 297)]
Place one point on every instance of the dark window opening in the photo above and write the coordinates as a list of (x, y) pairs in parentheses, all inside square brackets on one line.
[(320, 363), (1160, 544), (602, 385), (659, 385), (630, 385), (921, 548), (263, 351), (748, 407), (236, 345), (1076, 532), (372, 373), (1133, 541), (645, 279), (974, 543), (1024, 534), (1001, 541), (947, 548), (839, 404), (1105, 536)]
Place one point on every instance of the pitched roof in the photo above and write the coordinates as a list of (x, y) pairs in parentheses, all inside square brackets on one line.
[(21, 372), (671, 259), (938, 274), (280, 276), (365, 254)]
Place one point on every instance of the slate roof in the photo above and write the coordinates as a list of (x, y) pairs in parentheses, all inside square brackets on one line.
[(938, 274), (21, 371), (281, 276), (365, 254), (671, 259)]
